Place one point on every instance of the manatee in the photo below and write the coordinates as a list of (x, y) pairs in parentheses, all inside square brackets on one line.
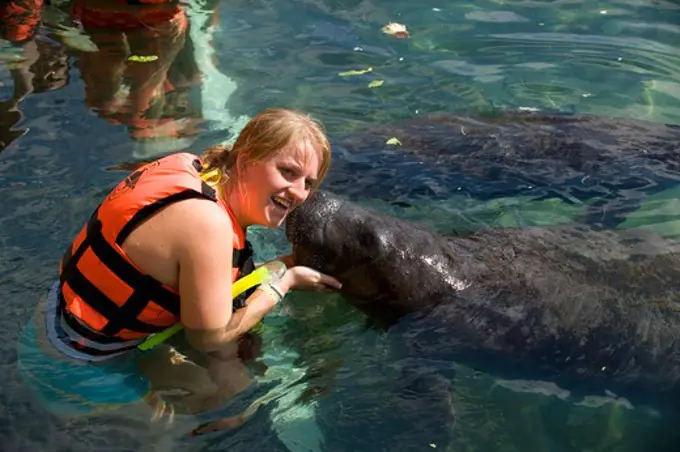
[(510, 153), (580, 307)]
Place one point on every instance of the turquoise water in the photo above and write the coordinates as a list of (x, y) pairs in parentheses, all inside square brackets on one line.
[(65, 145)]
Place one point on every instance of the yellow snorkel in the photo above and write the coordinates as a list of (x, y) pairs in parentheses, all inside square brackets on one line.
[(270, 272)]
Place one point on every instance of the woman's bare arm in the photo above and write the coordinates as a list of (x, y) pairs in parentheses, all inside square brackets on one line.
[(205, 262)]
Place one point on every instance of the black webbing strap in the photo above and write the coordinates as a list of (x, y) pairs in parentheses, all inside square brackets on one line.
[(144, 287)]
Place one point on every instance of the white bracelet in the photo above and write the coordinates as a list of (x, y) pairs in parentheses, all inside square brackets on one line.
[(273, 291)]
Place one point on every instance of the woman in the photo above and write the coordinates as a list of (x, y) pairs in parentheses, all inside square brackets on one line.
[(167, 243)]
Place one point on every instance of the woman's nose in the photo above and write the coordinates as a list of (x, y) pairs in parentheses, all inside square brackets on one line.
[(299, 190)]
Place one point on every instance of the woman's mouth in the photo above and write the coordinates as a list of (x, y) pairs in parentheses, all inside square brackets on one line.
[(281, 203)]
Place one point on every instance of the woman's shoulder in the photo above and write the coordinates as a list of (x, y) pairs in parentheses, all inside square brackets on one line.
[(199, 218)]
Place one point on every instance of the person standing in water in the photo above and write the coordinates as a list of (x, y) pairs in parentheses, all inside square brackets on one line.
[(167, 243)]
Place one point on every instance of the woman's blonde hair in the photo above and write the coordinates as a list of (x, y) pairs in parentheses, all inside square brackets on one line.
[(264, 136)]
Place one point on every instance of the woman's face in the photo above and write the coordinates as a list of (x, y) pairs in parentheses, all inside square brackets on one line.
[(268, 190)]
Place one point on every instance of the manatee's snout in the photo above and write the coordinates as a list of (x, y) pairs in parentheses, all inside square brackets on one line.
[(304, 220), (307, 230)]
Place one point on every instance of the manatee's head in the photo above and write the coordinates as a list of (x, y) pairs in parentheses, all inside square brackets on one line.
[(377, 258), (312, 231), (337, 238)]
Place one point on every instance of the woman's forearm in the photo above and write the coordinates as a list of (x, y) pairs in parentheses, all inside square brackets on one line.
[(241, 321), (244, 319)]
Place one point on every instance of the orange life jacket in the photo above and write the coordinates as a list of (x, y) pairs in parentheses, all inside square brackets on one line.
[(19, 19), (105, 299), (130, 15)]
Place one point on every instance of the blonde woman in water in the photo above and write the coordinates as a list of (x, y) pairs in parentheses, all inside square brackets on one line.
[(164, 248)]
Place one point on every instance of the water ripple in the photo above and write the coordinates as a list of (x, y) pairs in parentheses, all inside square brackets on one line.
[(619, 58)]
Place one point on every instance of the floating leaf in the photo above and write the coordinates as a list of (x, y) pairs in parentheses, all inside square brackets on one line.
[(396, 30), (355, 72), (142, 58), (393, 141), (376, 83)]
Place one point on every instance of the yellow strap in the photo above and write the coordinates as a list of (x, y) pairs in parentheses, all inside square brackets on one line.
[(271, 271), (211, 177)]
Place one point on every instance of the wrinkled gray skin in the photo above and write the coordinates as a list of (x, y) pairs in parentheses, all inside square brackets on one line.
[(568, 303), (617, 161), (554, 146)]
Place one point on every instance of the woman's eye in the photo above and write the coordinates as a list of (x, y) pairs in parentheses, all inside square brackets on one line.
[(287, 171)]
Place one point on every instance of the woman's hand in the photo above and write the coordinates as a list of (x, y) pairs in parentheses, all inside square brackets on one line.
[(305, 278)]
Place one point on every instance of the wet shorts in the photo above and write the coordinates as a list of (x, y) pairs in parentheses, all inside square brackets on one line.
[(73, 387)]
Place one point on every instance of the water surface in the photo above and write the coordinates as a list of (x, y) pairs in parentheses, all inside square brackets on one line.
[(67, 138)]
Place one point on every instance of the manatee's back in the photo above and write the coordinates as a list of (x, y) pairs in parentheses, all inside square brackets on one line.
[(515, 137), (511, 150), (571, 299)]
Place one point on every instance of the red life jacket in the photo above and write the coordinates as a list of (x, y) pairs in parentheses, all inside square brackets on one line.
[(105, 296)]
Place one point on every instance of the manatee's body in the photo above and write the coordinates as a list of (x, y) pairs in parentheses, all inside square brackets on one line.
[(582, 143), (570, 303), (590, 311), (507, 154)]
